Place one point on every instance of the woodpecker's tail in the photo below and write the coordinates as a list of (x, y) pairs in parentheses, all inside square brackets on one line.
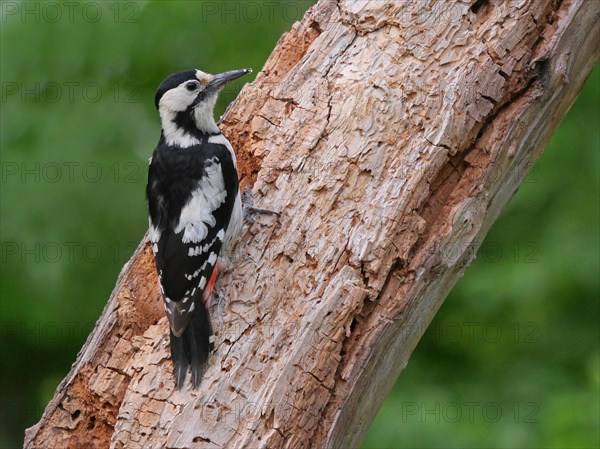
[(192, 347)]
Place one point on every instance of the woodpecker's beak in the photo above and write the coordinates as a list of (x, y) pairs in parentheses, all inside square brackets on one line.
[(221, 79)]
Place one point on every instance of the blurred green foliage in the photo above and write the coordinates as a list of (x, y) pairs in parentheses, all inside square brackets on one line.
[(77, 126)]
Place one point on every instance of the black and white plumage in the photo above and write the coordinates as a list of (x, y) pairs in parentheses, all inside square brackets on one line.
[(194, 209)]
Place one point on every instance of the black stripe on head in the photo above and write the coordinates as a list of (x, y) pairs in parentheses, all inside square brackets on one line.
[(173, 81)]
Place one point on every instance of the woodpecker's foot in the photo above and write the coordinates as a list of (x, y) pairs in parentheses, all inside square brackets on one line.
[(250, 210)]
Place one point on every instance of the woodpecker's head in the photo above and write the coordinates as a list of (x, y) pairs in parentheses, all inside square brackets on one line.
[(186, 100)]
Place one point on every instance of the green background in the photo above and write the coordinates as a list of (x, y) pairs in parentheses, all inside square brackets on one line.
[(511, 359)]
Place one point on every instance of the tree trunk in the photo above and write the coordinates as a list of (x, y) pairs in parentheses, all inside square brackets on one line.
[(390, 135)]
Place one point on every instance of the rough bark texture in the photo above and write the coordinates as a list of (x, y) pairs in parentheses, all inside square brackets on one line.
[(390, 135)]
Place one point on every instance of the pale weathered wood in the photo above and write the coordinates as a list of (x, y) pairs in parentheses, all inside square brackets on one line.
[(390, 135)]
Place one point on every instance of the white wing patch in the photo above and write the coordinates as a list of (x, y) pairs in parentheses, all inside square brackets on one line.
[(211, 260), (205, 199), (202, 283), (196, 251)]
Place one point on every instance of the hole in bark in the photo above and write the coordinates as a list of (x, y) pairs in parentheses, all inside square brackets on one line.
[(476, 7), (289, 108), (353, 325), (542, 70), (75, 414), (200, 440), (503, 74), (315, 26), (363, 273), (91, 422)]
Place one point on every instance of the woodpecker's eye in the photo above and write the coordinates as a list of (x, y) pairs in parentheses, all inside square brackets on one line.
[(192, 86)]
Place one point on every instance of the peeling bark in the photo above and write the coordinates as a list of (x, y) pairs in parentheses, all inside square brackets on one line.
[(390, 135)]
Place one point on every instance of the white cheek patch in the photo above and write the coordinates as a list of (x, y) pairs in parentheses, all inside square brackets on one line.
[(172, 102), (178, 99)]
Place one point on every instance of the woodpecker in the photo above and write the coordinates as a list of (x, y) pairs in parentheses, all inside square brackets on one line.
[(194, 207)]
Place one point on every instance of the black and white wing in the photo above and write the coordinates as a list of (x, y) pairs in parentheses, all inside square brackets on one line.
[(189, 217)]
